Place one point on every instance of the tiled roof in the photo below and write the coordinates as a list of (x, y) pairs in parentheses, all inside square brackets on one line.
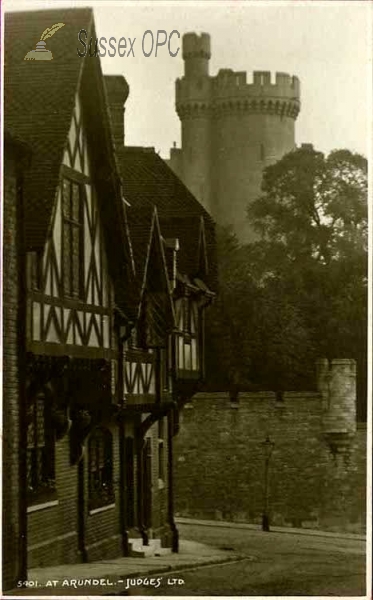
[(140, 224), (39, 99), (149, 182), (38, 107)]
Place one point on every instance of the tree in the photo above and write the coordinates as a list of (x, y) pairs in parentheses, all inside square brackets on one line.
[(312, 222), (299, 291), (256, 338)]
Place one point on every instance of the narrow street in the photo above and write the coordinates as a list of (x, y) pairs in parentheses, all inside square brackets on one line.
[(277, 564)]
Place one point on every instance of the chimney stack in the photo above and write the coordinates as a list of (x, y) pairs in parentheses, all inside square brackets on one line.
[(117, 90)]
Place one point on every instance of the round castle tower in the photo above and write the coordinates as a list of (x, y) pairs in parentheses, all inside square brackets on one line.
[(231, 130)]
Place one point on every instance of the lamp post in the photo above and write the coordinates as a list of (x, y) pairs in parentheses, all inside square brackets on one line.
[(267, 449)]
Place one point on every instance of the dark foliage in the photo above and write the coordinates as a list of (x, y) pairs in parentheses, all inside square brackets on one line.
[(299, 291)]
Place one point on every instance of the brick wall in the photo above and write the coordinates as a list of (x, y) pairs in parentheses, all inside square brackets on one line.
[(10, 488), (103, 538), (53, 530), (219, 463)]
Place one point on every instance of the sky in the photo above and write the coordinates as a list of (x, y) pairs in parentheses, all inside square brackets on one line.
[(327, 45)]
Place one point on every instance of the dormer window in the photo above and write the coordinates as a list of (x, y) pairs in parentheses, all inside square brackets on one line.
[(72, 194)]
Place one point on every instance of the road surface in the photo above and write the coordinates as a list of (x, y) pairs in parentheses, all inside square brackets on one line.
[(277, 564)]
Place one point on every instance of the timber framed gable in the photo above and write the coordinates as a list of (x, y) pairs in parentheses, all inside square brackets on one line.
[(70, 291), (146, 358)]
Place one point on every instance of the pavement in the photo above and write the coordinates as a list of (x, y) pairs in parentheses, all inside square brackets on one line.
[(111, 576), (119, 576), (275, 529)]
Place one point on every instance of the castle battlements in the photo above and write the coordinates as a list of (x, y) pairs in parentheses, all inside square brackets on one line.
[(233, 125), (232, 87), (232, 82)]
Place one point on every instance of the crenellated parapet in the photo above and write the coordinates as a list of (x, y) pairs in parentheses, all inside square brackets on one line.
[(229, 93), (229, 83), (233, 126)]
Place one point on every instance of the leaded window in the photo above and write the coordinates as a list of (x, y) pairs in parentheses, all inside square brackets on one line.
[(40, 449), (188, 336), (100, 453), (72, 193)]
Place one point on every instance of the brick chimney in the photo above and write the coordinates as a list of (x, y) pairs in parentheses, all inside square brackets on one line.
[(117, 90)]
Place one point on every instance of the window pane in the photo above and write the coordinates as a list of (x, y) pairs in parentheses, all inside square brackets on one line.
[(188, 361), (194, 354), (66, 198), (75, 259), (181, 352), (66, 256), (75, 203), (100, 469), (72, 237)]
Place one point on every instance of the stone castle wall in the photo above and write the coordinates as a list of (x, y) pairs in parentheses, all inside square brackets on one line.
[(314, 480)]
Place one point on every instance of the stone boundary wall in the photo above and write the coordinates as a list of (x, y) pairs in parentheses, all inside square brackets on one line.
[(219, 463)]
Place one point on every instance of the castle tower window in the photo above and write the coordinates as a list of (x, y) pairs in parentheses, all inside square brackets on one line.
[(72, 238), (100, 460), (40, 451)]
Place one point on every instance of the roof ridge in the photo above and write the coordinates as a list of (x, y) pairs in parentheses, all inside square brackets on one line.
[(144, 149)]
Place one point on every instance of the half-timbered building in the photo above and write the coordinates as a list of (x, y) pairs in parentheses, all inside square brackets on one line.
[(176, 265), (80, 289), (111, 329)]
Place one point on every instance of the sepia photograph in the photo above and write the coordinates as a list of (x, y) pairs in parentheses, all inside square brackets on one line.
[(186, 298)]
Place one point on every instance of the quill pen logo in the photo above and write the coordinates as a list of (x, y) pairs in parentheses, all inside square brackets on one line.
[(41, 52)]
